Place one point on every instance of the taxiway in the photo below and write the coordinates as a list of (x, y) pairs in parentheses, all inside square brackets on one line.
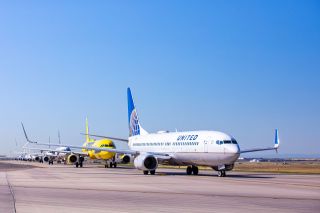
[(62, 188)]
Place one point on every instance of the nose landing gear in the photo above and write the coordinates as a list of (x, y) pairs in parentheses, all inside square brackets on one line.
[(222, 173)]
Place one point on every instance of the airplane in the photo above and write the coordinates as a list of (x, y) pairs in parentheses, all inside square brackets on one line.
[(214, 149), (26, 154), (49, 155), (110, 158)]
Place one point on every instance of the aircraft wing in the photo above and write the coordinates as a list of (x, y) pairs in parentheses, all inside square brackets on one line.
[(119, 151), (112, 138), (164, 156), (52, 150), (275, 147), (59, 151)]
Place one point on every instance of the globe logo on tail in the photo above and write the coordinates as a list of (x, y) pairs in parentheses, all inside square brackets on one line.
[(134, 124)]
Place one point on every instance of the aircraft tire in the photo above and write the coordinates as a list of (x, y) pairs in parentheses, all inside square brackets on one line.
[(115, 165), (152, 172), (146, 172), (195, 170), (189, 170), (221, 173), (77, 164)]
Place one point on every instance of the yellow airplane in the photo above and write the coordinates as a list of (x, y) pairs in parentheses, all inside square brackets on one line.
[(77, 158), (111, 159)]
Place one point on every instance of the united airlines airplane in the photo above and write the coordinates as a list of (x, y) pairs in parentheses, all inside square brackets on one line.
[(215, 149)]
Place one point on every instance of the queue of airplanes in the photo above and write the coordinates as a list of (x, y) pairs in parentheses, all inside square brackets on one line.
[(192, 149), (63, 153)]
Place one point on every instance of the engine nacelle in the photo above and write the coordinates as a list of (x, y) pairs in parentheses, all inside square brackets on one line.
[(37, 158), (146, 162), (227, 167), (125, 159), (45, 158), (72, 158)]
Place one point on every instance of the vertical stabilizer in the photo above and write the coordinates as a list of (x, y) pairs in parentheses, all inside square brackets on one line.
[(87, 131), (276, 139), (134, 124), (59, 137)]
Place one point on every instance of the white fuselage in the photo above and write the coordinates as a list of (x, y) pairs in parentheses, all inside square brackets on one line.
[(59, 153), (207, 148)]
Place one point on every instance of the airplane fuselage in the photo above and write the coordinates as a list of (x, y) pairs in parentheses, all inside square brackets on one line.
[(100, 155), (205, 148)]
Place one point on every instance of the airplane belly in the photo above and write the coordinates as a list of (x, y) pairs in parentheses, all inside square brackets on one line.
[(91, 154), (205, 159), (104, 155)]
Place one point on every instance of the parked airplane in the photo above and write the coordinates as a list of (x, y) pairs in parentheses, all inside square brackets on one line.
[(61, 153), (215, 149), (110, 158), (26, 154)]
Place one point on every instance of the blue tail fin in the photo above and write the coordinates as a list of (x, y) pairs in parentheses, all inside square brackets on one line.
[(134, 124), (276, 139)]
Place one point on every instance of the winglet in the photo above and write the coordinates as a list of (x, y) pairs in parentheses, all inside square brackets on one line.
[(276, 139), (25, 134)]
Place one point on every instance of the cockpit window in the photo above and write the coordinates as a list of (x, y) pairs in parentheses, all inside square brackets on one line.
[(227, 142), (234, 141)]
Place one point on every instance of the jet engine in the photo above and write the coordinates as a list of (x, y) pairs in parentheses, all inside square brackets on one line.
[(37, 158), (125, 159), (45, 158), (72, 158), (146, 162)]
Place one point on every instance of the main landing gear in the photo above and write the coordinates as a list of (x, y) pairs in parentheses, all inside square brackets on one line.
[(222, 173), (192, 170), (112, 164), (80, 162)]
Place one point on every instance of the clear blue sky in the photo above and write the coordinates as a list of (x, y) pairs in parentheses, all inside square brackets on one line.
[(242, 67)]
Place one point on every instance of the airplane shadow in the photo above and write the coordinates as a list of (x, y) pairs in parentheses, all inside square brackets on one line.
[(255, 176), (245, 176), (183, 173)]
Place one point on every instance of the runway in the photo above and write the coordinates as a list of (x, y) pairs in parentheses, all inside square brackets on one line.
[(66, 189)]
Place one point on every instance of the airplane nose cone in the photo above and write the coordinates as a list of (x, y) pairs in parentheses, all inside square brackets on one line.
[(234, 148)]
